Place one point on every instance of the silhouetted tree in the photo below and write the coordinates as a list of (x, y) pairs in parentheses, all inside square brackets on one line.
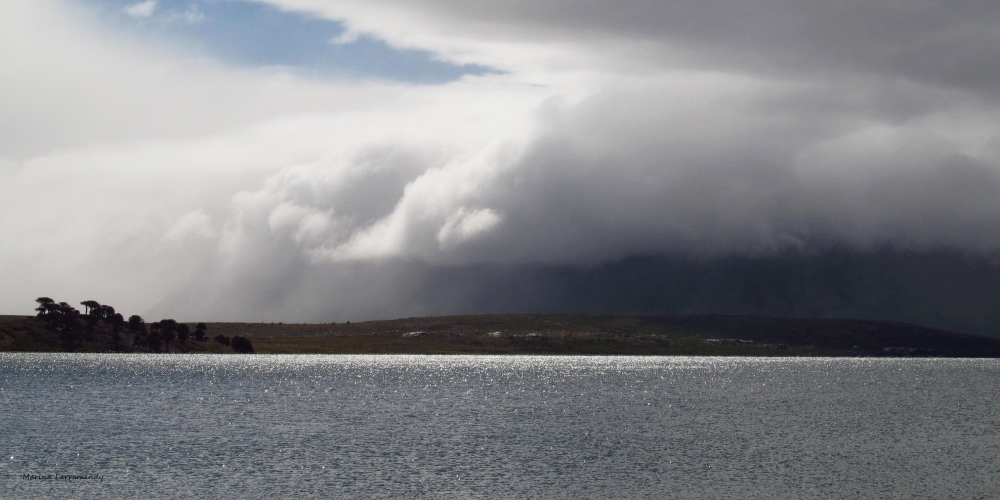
[(63, 319), (154, 337), (106, 312), (117, 324), (199, 332), (45, 306), (92, 316), (136, 324), (102, 328), (183, 332), (89, 325), (242, 345), (168, 331), (89, 305)]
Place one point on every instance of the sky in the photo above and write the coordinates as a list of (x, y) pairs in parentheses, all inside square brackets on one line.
[(318, 160)]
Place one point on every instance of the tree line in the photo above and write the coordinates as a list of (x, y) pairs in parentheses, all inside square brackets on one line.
[(101, 323)]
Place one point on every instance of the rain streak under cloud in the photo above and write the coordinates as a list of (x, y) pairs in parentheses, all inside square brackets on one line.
[(150, 163)]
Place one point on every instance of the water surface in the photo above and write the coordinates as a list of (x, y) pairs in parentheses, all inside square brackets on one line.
[(256, 426)]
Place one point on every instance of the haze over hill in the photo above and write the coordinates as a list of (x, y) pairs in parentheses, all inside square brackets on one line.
[(952, 292)]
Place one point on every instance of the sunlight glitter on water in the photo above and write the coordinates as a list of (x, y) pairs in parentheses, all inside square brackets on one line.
[(498, 426)]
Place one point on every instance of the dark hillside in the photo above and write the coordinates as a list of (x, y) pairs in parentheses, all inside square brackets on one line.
[(606, 334), (557, 334)]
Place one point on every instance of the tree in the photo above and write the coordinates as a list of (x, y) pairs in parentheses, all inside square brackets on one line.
[(92, 315), (136, 324), (199, 332), (45, 306), (242, 345), (90, 325), (183, 332), (90, 306), (222, 339), (117, 323), (106, 312), (168, 331), (64, 319), (153, 337)]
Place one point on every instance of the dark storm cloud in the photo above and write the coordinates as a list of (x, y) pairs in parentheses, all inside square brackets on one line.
[(949, 43), (631, 171)]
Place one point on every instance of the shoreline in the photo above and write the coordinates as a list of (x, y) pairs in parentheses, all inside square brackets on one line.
[(561, 334)]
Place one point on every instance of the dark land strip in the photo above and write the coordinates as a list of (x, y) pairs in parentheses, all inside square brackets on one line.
[(544, 334)]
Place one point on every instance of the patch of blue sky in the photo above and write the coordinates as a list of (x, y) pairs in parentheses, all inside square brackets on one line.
[(257, 35)]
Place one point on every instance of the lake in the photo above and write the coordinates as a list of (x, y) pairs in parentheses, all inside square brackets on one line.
[(340, 426)]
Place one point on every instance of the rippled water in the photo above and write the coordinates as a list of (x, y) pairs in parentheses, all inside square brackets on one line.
[(497, 427)]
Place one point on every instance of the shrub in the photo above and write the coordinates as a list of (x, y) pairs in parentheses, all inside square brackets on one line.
[(242, 345)]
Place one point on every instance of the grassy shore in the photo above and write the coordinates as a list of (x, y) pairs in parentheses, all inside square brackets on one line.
[(562, 334)]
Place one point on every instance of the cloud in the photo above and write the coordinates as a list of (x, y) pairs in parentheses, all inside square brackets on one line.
[(141, 9), (693, 129), (464, 225), (195, 223), (947, 45), (345, 38), (190, 15)]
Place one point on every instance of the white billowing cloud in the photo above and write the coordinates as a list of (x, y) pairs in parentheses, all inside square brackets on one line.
[(144, 179), (192, 224), (141, 9), (134, 176), (464, 225)]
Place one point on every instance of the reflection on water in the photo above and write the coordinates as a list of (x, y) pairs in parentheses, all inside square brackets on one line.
[(497, 427)]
